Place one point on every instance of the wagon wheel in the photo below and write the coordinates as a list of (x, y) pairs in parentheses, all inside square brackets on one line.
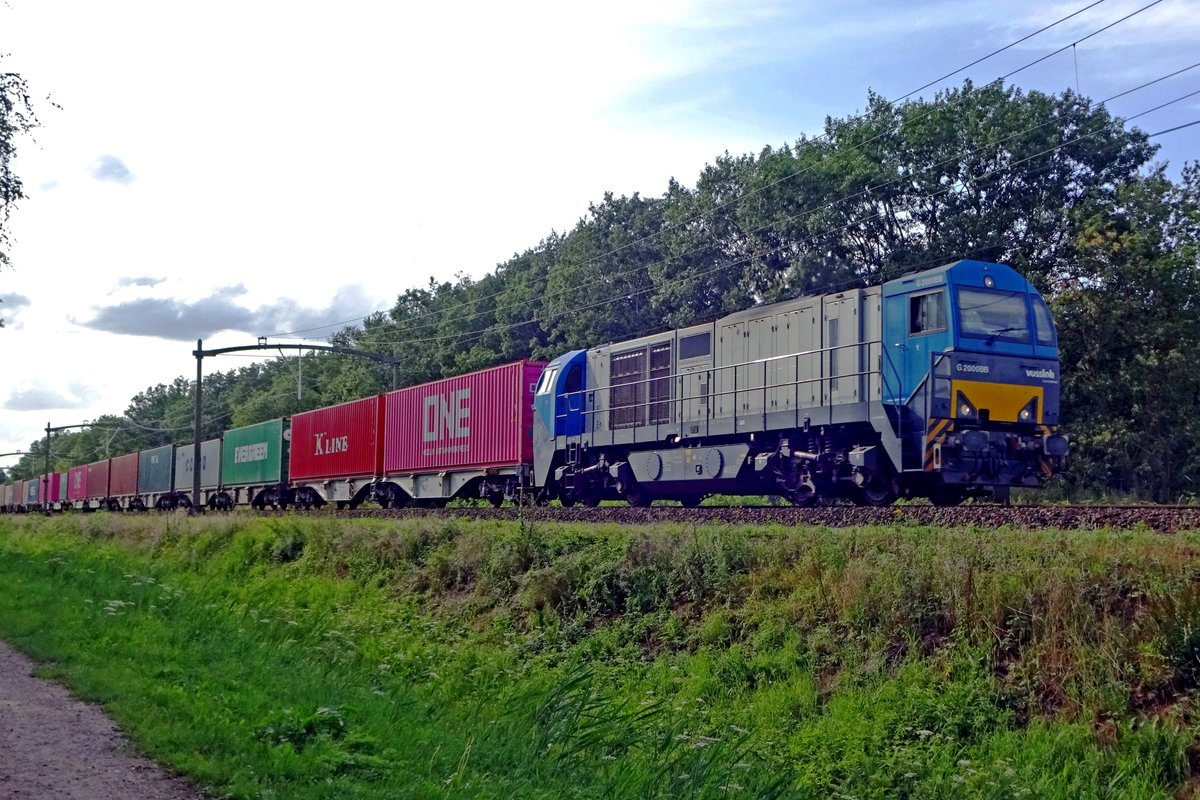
[(691, 500), (496, 499)]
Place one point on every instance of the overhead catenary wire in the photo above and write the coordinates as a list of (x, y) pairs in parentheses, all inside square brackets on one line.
[(464, 338), (1176, 128), (621, 273), (958, 155), (742, 198)]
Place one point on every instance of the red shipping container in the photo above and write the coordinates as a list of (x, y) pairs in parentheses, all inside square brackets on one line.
[(77, 483), (342, 441), (18, 495), (123, 475), (97, 480), (475, 421)]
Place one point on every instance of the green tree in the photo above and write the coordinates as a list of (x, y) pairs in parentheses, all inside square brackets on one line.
[(599, 288), (17, 118), (1127, 330)]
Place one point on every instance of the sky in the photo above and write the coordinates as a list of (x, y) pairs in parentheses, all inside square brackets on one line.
[(230, 170)]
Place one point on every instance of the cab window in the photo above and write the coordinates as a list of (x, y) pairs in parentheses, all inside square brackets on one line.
[(992, 314), (547, 383), (574, 382), (927, 313), (1043, 322)]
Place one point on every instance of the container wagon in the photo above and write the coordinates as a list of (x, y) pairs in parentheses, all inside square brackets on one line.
[(98, 473), (253, 460), (52, 490), (466, 436), (210, 473), (156, 478), (336, 453), (77, 486), (123, 484)]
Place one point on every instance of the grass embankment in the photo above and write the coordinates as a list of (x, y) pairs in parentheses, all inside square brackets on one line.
[(313, 657)]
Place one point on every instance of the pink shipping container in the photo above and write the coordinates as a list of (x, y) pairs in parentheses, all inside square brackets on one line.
[(97, 480), (77, 483), (342, 441), (475, 421), (123, 475), (52, 484), (18, 494)]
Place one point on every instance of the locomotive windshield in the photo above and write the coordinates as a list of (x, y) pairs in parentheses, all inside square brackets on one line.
[(1045, 325), (993, 315)]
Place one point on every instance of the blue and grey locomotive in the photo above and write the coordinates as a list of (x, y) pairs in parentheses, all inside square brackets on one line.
[(942, 384)]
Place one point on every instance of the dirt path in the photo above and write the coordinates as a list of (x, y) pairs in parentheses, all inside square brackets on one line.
[(54, 746)]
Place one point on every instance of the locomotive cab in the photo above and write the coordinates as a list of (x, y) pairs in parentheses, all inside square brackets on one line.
[(558, 405), (972, 378)]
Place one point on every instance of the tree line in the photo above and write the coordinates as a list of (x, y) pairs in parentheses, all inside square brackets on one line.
[(1051, 184)]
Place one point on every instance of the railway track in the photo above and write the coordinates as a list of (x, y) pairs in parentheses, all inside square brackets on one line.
[(1163, 519)]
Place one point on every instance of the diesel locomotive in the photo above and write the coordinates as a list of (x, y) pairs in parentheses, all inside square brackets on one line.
[(941, 384)]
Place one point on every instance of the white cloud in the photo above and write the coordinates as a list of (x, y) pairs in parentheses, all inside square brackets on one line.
[(39, 397), (111, 169)]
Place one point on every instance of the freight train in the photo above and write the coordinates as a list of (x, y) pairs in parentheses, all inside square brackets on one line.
[(941, 384)]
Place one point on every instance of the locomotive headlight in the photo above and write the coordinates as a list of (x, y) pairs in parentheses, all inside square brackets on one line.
[(989, 282), (965, 408), (1029, 412)]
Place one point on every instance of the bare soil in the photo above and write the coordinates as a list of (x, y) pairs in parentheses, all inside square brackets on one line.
[(53, 746)]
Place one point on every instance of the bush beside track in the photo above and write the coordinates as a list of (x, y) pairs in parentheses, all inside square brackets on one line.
[(317, 656), (1164, 519)]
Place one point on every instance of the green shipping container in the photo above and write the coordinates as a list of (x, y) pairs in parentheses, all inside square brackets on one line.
[(253, 455)]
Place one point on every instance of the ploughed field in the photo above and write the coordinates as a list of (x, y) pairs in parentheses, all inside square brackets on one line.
[(469, 655)]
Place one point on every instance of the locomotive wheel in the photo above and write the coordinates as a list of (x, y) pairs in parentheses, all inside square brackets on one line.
[(802, 499), (876, 493), (691, 500), (591, 500), (496, 499), (638, 497), (566, 500), (945, 497)]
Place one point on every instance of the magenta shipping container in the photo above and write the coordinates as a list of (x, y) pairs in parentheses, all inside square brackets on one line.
[(342, 441), (475, 421), (97, 480), (77, 483), (51, 482), (123, 475)]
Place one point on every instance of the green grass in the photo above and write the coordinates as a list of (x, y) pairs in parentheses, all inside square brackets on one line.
[(316, 657)]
